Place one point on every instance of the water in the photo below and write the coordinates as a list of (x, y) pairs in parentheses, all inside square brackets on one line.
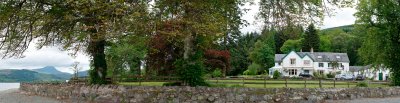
[(6, 86)]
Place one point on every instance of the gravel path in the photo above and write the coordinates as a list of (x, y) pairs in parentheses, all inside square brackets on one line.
[(15, 96), (369, 100)]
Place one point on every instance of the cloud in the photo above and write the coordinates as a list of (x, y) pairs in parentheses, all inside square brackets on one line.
[(47, 56)]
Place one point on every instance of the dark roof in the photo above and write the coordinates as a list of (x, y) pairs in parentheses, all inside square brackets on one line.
[(325, 56)]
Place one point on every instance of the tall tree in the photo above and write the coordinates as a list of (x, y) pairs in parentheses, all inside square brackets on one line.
[(264, 51), (240, 53), (77, 25), (381, 16), (291, 45), (195, 25), (311, 39)]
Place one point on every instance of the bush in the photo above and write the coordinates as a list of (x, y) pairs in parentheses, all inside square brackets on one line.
[(191, 72), (216, 73), (330, 75), (319, 76), (276, 74), (362, 84), (252, 69)]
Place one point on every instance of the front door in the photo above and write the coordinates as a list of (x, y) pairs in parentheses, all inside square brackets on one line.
[(380, 76)]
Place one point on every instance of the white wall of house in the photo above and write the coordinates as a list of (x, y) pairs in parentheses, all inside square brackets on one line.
[(302, 64)]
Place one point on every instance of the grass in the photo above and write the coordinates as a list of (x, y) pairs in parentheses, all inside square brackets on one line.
[(270, 84)]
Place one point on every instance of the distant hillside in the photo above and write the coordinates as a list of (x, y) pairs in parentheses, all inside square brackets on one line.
[(346, 28), (12, 75), (52, 70), (83, 73)]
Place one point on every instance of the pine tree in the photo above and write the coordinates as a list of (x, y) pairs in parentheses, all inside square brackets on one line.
[(311, 39)]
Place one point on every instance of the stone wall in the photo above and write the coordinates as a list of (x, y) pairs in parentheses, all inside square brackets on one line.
[(146, 94)]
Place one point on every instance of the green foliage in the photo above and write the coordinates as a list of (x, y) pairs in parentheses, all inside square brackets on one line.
[(311, 39), (240, 53), (378, 19), (276, 74), (264, 51), (330, 75), (217, 73), (191, 72), (362, 84), (252, 69), (319, 76), (291, 45)]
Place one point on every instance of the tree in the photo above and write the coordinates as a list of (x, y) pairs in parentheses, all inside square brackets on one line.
[(311, 39), (381, 17), (75, 69), (289, 13), (291, 45), (264, 51), (194, 26), (240, 53), (76, 25)]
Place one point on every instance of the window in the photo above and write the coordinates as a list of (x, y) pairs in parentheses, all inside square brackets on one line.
[(320, 57), (338, 57), (306, 62), (292, 61), (320, 64), (329, 64), (280, 63), (292, 71)]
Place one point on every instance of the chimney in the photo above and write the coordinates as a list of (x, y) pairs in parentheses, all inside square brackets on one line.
[(312, 50), (301, 50)]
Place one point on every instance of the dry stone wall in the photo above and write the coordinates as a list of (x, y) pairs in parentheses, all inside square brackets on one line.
[(146, 94)]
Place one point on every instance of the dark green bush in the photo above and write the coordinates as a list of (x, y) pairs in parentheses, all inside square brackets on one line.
[(276, 74), (191, 71), (330, 75), (362, 84)]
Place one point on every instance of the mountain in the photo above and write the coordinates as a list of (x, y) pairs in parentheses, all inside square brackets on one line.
[(13, 75), (53, 71), (83, 73), (346, 28)]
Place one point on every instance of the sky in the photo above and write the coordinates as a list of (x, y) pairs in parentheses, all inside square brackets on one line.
[(53, 56)]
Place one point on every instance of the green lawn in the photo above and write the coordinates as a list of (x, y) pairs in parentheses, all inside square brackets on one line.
[(269, 83)]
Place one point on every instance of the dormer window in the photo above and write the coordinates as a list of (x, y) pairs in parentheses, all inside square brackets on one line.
[(319, 57), (338, 57)]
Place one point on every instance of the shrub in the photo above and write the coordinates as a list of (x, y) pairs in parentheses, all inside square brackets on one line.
[(330, 75), (362, 84), (216, 73), (276, 74), (252, 69), (191, 72)]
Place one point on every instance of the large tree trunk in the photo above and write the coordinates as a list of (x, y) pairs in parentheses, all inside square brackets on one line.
[(96, 49), (188, 46)]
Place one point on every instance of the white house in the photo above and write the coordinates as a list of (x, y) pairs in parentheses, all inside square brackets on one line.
[(369, 71), (295, 63)]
